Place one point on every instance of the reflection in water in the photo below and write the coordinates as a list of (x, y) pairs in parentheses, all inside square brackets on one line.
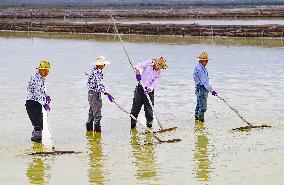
[(38, 171), (201, 152), (144, 157), (263, 42), (95, 172)]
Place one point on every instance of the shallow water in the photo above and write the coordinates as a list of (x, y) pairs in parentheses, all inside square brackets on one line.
[(248, 73)]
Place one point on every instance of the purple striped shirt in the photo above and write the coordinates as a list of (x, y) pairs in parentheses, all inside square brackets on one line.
[(149, 77)]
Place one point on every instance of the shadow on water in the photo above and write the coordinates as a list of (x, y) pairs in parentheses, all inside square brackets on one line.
[(95, 172), (144, 157), (201, 154), (39, 169)]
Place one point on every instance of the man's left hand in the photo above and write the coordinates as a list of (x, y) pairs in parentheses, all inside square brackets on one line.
[(214, 93)]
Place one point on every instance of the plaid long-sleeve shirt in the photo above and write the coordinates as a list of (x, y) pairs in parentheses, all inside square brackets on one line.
[(95, 77)]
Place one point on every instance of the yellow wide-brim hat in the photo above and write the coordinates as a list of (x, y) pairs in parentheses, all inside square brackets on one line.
[(44, 64)]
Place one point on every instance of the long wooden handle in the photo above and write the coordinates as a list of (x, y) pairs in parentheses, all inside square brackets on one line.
[(121, 42), (137, 121), (129, 60), (235, 110)]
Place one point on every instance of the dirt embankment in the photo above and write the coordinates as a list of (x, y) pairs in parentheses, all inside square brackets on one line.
[(46, 24), (151, 29)]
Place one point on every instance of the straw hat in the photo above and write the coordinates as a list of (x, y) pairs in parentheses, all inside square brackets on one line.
[(44, 64), (161, 62), (101, 60), (203, 56)]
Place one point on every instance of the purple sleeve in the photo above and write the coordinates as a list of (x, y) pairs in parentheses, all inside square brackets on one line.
[(141, 66)]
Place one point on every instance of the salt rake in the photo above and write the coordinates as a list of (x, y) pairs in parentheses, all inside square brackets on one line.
[(250, 126), (48, 141), (131, 64), (150, 131)]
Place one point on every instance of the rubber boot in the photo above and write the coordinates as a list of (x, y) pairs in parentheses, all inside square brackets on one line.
[(97, 128), (149, 123), (201, 117), (196, 117), (133, 123), (36, 136), (89, 126)]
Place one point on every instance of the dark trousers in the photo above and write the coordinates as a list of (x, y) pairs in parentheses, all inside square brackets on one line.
[(141, 99), (34, 110)]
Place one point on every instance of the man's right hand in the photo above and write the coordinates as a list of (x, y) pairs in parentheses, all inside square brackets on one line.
[(138, 75)]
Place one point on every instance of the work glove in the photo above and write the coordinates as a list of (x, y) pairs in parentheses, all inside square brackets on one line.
[(214, 93), (46, 107), (48, 99), (138, 77), (110, 98)]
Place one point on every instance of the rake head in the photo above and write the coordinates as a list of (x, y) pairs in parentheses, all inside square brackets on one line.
[(54, 153), (168, 141), (250, 127), (166, 130)]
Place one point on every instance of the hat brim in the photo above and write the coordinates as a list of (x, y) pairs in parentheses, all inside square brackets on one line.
[(203, 59), (103, 63), (42, 68)]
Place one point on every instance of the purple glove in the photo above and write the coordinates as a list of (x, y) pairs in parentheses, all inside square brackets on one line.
[(48, 99), (138, 77), (214, 93), (110, 98), (46, 107)]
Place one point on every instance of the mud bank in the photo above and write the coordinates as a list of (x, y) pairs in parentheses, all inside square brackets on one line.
[(150, 29)]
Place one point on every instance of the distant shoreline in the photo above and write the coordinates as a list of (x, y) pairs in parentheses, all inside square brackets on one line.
[(202, 12)]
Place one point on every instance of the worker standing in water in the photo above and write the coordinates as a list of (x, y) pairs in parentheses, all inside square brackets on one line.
[(147, 74), (96, 87), (202, 86), (38, 98)]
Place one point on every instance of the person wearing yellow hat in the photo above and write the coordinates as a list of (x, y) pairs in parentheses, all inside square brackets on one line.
[(95, 88), (202, 86), (147, 74), (38, 98)]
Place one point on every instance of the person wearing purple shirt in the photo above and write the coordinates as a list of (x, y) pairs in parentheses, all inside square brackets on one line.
[(148, 74)]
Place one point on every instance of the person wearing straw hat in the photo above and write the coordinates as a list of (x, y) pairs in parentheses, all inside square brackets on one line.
[(95, 88), (202, 86), (147, 74), (38, 98)]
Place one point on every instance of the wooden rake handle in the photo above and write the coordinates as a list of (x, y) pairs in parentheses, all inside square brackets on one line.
[(150, 131), (235, 110)]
